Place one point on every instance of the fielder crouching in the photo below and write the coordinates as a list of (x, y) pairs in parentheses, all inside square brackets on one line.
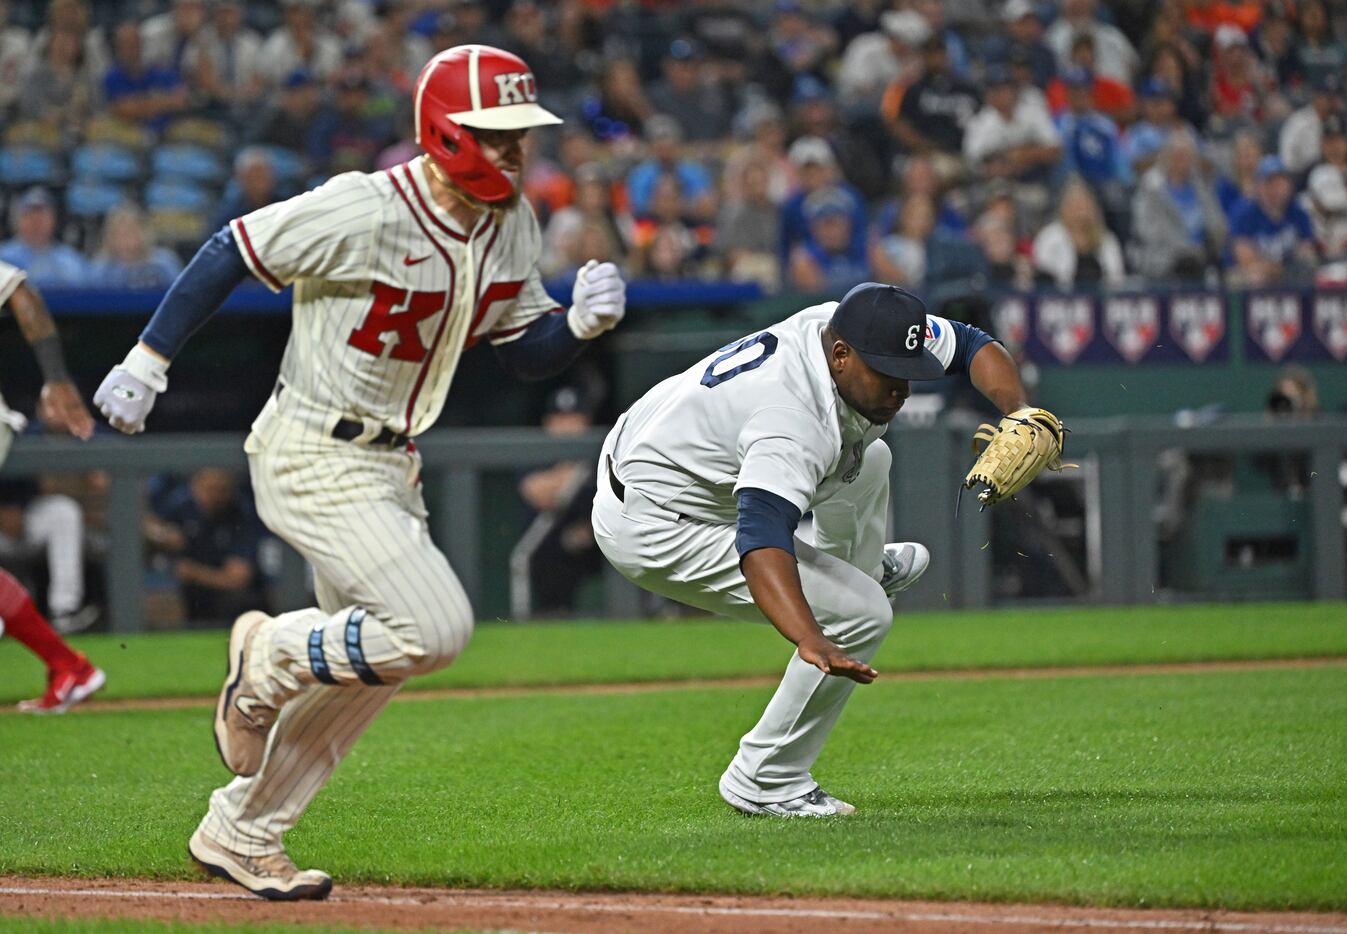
[(395, 273)]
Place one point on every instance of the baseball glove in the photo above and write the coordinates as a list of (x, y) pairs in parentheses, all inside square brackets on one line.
[(1015, 451)]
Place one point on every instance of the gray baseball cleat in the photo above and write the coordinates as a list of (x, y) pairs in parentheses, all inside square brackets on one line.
[(904, 562), (242, 719), (274, 877), (816, 803)]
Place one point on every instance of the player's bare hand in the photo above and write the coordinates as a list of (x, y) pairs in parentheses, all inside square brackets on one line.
[(831, 660), (61, 409), (598, 300)]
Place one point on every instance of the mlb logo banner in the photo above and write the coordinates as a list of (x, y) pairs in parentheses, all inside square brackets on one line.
[(1065, 326), (1132, 325), (1197, 326), (1273, 325), (1010, 321), (1328, 320)]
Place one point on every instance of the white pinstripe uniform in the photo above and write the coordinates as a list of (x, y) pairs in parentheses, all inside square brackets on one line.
[(388, 293), (764, 413)]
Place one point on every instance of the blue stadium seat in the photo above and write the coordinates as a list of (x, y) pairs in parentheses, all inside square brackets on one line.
[(161, 195), (106, 162), (25, 165), (92, 199), (188, 163)]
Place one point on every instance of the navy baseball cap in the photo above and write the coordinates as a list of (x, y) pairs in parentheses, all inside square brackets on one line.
[(879, 321)]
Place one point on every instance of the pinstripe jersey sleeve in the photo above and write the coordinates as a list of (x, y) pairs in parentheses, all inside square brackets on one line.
[(327, 233), (11, 277)]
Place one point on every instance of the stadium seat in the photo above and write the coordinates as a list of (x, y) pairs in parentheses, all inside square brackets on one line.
[(181, 230), (118, 133), (92, 199), (21, 166), (33, 133), (161, 195), (199, 131), (107, 162), (187, 163)]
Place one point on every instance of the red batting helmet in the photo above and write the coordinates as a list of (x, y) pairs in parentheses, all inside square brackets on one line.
[(482, 88)]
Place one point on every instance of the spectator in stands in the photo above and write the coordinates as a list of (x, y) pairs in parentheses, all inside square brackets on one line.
[(1240, 86), (918, 181), (211, 535), (139, 93), (253, 186), (38, 525), (301, 42), (797, 45), (1091, 147), (666, 243), (899, 258), (765, 126), (956, 49), (621, 108), (824, 262), (684, 94), (1022, 42), (667, 157), (177, 39), (1178, 226), (817, 167), (232, 66), (1271, 237), (1077, 250), (128, 257), (814, 113), (1159, 118), (996, 234), (15, 58), (1115, 58), (1320, 52), (59, 89), (1240, 183), (1170, 65), (559, 545), (1209, 15), (1012, 136), (347, 137), (873, 60), (1301, 138), (555, 66), (1277, 47), (73, 16), (1109, 95), (34, 248), (1325, 200), (748, 230), (592, 212), (934, 111), (287, 124)]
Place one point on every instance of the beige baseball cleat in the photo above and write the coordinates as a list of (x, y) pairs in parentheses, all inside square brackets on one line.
[(242, 719), (274, 877)]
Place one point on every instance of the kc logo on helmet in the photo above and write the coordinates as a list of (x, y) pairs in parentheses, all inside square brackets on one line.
[(516, 88)]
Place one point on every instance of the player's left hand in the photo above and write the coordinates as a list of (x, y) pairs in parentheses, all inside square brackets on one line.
[(598, 300), (61, 409)]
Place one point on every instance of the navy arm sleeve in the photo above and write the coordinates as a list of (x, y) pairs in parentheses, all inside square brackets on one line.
[(765, 521), (546, 347), (968, 340), (196, 294)]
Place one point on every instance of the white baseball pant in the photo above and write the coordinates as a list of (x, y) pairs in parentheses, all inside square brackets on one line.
[(695, 562), (389, 607)]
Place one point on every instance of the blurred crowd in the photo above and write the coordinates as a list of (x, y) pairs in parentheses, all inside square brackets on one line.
[(801, 145)]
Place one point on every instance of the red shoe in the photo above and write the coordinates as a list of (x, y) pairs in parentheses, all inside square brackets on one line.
[(65, 689)]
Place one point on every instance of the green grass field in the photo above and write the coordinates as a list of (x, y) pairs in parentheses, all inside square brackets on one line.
[(1205, 789)]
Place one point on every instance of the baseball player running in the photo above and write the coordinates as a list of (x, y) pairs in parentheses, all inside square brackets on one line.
[(395, 273), (704, 479), (70, 676)]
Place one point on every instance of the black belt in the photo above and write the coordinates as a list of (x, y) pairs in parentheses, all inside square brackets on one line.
[(348, 430), (619, 490)]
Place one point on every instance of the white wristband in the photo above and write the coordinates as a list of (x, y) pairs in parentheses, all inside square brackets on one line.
[(146, 367)]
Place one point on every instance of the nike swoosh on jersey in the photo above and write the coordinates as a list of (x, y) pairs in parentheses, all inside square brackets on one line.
[(408, 261)]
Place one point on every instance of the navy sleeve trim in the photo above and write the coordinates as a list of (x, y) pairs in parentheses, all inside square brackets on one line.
[(196, 294), (968, 340), (546, 347), (765, 521)]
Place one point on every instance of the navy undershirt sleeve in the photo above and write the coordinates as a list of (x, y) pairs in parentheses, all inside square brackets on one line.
[(546, 347), (765, 521), (968, 340), (196, 294)]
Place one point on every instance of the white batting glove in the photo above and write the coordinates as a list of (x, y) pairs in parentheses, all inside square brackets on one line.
[(127, 394), (598, 300)]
